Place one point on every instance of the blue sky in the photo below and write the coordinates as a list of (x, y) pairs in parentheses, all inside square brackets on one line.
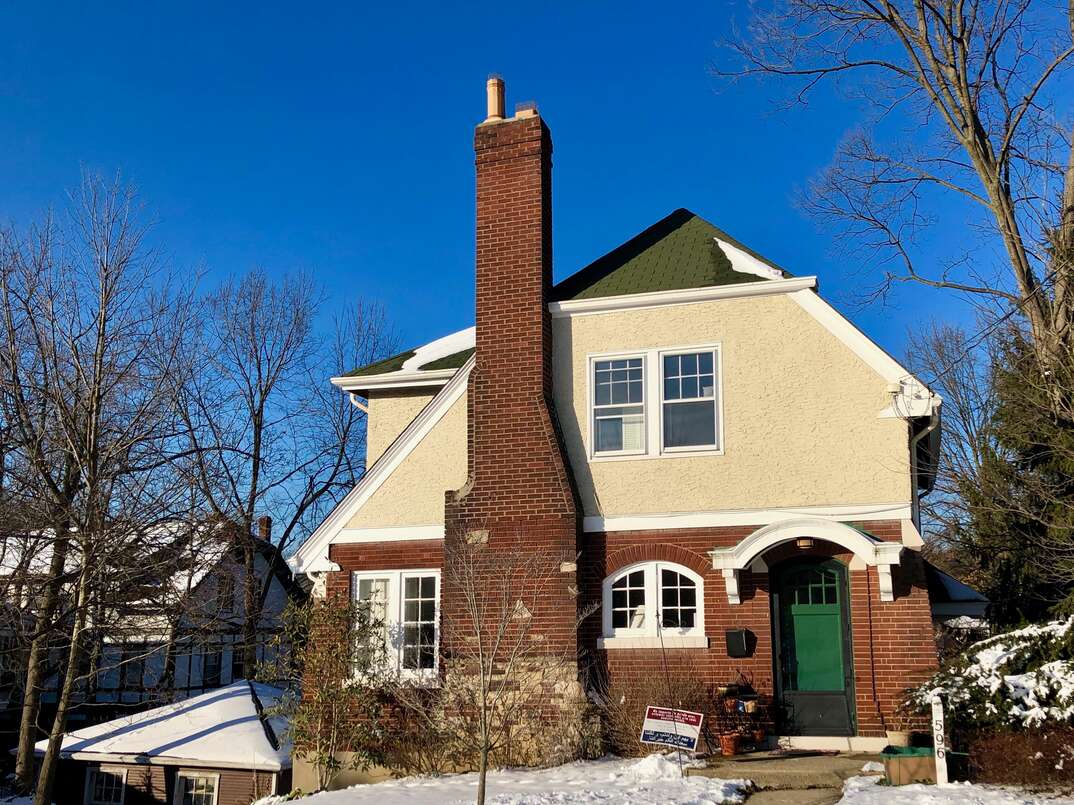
[(337, 139)]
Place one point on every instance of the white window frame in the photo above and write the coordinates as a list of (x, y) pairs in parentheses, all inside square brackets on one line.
[(650, 634), (653, 403), (717, 399), (592, 402), (177, 795), (394, 616), (90, 771)]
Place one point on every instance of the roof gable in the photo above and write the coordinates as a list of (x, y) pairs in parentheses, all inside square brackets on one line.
[(680, 251)]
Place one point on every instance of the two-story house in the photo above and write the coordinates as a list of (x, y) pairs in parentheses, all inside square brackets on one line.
[(719, 447)]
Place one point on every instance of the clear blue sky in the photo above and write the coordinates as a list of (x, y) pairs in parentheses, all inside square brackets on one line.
[(338, 139)]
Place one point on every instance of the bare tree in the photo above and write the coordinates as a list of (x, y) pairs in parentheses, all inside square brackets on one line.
[(268, 434), (506, 687), (90, 337), (969, 112)]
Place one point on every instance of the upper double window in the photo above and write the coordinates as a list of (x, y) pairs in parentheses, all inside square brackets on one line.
[(686, 417)]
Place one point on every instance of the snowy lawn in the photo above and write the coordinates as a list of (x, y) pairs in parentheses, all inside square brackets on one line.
[(865, 791), (650, 781)]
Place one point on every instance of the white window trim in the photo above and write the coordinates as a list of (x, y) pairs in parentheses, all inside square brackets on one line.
[(650, 635), (645, 398), (177, 795), (394, 610), (653, 374), (717, 400), (90, 771)]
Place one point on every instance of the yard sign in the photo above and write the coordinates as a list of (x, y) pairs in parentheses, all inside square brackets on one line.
[(679, 729)]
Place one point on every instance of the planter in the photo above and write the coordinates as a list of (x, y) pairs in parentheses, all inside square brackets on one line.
[(898, 737), (729, 744)]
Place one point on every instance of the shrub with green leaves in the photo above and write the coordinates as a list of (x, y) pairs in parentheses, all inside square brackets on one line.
[(1023, 678)]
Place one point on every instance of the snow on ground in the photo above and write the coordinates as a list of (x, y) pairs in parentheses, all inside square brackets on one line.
[(653, 780), (866, 791)]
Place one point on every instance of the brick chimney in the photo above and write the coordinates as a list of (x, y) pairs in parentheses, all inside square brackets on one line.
[(519, 490)]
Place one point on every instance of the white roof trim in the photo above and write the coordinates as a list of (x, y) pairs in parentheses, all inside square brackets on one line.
[(154, 760), (604, 304), (915, 399), (744, 517), (312, 556), (399, 533), (394, 380)]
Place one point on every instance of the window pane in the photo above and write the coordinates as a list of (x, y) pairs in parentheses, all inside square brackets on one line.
[(671, 366), (678, 596), (609, 435), (604, 394), (689, 388), (628, 601), (688, 364), (690, 424), (671, 389), (704, 363), (419, 623)]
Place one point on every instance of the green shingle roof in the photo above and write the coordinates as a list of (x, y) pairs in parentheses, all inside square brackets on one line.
[(676, 252), (453, 361)]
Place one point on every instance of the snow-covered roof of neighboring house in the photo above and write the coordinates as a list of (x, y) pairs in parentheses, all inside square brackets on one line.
[(224, 728), (953, 602)]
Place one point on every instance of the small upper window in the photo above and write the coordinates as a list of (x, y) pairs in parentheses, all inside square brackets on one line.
[(619, 405), (689, 400)]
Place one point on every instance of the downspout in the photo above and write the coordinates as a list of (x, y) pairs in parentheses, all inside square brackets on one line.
[(934, 422), (357, 403)]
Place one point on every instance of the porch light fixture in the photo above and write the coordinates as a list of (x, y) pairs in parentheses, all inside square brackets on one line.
[(803, 543)]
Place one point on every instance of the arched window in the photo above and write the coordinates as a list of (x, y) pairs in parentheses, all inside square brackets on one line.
[(653, 602)]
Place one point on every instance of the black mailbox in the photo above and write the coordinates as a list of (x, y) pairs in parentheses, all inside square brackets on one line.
[(738, 642)]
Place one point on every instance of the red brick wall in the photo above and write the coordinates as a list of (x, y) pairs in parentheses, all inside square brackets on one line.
[(519, 488), (891, 641), (404, 555)]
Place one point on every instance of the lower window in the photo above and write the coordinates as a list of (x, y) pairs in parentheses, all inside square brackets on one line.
[(653, 600), (401, 607), (105, 786), (196, 789)]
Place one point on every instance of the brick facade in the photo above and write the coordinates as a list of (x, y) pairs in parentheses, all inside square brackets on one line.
[(892, 641)]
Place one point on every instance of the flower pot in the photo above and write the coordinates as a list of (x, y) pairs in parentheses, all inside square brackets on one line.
[(729, 744), (898, 737)]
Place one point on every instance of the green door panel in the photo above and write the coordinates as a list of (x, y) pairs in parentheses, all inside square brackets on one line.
[(817, 648)]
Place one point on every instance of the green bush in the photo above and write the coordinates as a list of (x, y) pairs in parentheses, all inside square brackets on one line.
[(1020, 679)]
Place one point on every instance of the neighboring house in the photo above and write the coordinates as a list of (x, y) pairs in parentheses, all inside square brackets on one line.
[(224, 747), (721, 450), (175, 633)]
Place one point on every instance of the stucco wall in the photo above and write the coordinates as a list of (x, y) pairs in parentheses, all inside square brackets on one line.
[(800, 413), (414, 493), (389, 414)]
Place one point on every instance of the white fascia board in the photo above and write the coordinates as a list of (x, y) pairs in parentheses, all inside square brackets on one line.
[(394, 380), (915, 400), (401, 533), (156, 760), (605, 304), (744, 517), (313, 553)]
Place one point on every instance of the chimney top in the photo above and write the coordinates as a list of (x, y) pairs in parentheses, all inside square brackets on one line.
[(495, 89)]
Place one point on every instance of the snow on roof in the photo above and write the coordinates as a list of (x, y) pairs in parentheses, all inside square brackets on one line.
[(440, 348), (221, 728)]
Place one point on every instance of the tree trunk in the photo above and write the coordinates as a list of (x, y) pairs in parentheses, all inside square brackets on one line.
[(47, 777), (251, 601), (31, 697)]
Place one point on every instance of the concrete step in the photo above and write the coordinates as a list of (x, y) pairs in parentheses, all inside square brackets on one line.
[(779, 771)]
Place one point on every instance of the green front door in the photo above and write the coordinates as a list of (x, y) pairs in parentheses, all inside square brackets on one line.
[(814, 662)]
